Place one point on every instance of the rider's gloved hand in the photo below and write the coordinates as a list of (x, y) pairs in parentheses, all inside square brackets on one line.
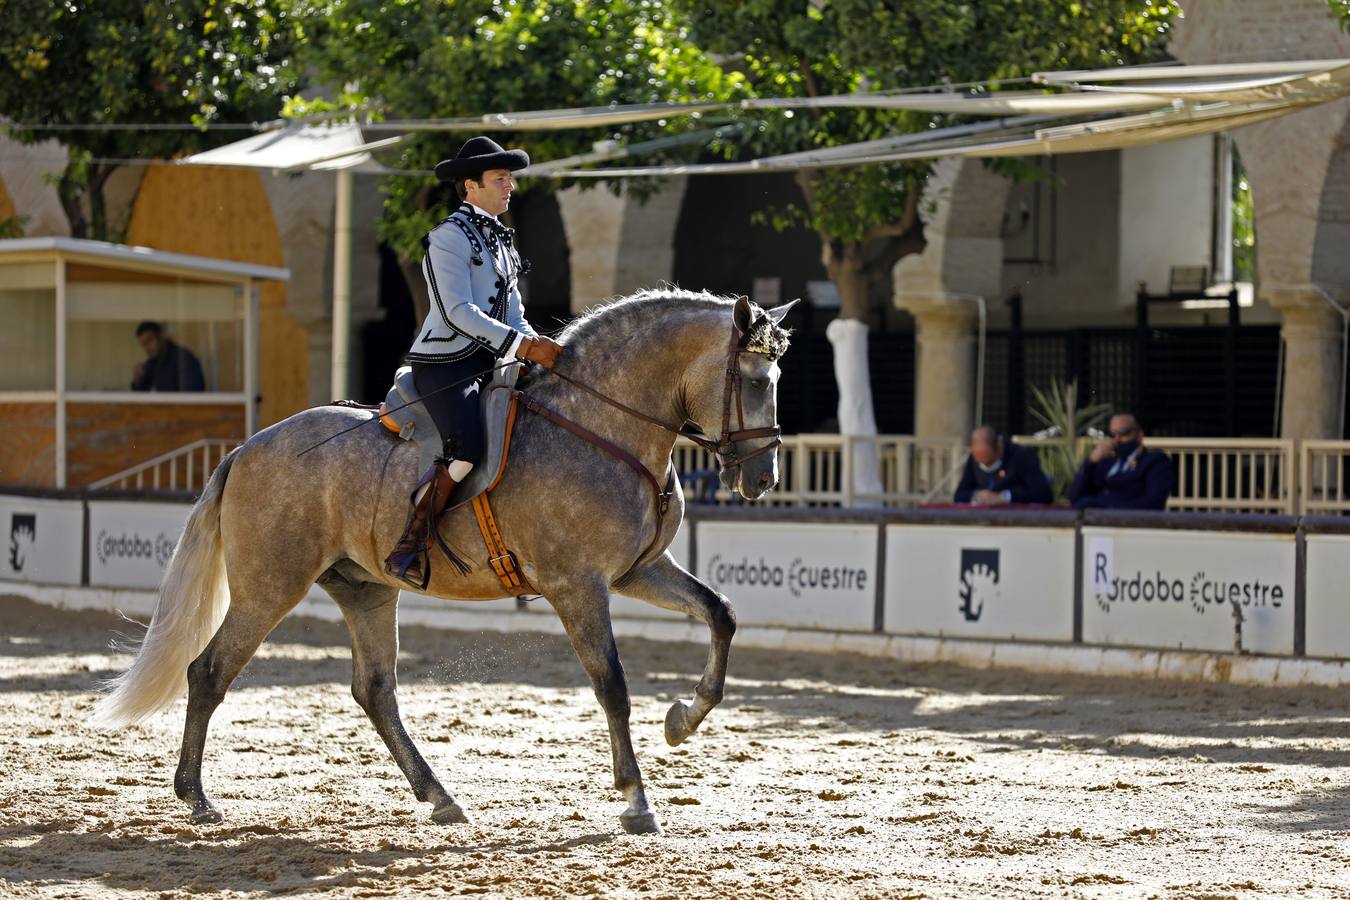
[(541, 350)]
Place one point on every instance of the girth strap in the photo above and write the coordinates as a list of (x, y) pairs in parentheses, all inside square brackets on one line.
[(500, 558)]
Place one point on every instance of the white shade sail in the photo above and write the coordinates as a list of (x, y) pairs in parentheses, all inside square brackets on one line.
[(294, 147)]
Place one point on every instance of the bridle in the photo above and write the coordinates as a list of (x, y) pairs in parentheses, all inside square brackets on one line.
[(724, 447)]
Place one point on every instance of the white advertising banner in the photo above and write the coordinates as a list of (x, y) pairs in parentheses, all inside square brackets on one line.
[(627, 607), (1327, 616), (43, 539), (1189, 589), (130, 543), (793, 574), (992, 582)]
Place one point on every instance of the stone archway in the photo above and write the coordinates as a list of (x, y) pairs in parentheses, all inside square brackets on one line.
[(1300, 193), (226, 214)]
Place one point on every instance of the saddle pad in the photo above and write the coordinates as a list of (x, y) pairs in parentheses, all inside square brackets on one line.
[(413, 423)]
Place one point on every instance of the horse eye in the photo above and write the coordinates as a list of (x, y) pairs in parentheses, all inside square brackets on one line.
[(759, 383)]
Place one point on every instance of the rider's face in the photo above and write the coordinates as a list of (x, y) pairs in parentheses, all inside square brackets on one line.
[(492, 193)]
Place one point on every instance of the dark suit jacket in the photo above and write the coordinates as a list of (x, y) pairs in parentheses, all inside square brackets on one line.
[(176, 369), (1145, 484), (1020, 475)]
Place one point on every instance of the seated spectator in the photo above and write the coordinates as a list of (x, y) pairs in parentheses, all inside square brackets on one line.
[(999, 471), (167, 366), (1121, 474)]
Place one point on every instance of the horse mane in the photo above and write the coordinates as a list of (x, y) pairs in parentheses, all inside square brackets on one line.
[(766, 336), (627, 314)]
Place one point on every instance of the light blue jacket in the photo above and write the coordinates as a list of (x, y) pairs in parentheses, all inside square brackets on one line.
[(473, 275)]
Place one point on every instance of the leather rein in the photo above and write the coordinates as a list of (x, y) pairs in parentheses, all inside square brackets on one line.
[(724, 448)]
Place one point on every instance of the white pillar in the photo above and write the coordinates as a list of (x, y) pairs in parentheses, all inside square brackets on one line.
[(250, 359), (60, 372), (342, 282), (848, 338)]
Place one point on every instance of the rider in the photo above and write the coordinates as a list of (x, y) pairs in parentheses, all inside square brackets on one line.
[(476, 318)]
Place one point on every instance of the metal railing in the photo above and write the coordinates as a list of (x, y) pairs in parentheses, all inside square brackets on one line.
[(1323, 485), (1212, 474), (1219, 474), (1269, 475), (817, 470), (1231, 474), (184, 469)]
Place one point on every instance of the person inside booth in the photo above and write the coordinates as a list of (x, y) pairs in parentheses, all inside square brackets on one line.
[(999, 471), (167, 366), (1121, 474)]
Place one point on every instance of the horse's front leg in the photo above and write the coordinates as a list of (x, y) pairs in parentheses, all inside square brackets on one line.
[(585, 616), (665, 584)]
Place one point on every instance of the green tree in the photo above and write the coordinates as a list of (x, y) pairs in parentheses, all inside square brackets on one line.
[(80, 62), (867, 217), (419, 59), (1340, 9)]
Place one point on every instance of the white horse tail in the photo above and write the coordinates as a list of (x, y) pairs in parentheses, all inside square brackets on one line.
[(193, 600)]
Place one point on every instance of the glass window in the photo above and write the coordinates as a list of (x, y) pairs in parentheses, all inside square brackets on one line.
[(28, 337), (163, 335)]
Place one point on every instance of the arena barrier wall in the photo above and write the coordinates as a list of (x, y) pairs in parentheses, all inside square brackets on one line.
[(1248, 585)]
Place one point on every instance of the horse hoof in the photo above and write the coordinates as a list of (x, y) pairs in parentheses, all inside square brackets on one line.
[(677, 723), (449, 814), (640, 822), (205, 813)]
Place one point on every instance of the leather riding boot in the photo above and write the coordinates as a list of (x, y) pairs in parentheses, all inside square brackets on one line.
[(410, 559)]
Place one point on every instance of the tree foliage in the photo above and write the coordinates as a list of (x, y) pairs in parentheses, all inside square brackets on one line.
[(403, 59), (1340, 9), (80, 62), (866, 216)]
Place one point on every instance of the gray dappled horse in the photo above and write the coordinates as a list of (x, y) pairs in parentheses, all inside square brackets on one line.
[(270, 524)]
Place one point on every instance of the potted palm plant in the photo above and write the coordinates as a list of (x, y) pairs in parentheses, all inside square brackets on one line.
[(1064, 422)]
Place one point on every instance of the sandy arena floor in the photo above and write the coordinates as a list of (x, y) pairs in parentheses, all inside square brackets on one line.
[(819, 776)]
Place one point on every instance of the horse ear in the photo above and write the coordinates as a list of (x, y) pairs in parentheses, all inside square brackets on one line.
[(779, 312), (743, 316)]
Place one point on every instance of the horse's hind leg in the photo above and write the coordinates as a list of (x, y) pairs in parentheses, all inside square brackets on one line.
[(371, 611), (663, 583), (210, 675), (586, 618)]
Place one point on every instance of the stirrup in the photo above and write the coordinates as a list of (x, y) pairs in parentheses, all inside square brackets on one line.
[(402, 574)]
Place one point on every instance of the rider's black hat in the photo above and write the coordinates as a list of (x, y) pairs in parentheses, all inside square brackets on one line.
[(477, 156)]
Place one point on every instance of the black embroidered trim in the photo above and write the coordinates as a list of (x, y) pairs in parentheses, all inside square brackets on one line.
[(474, 243), (507, 236), (506, 344), (468, 351), (436, 293), (430, 274)]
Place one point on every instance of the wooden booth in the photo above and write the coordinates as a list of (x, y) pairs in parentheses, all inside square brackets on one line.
[(68, 351)]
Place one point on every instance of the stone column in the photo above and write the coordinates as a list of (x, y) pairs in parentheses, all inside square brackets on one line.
[(944, 384), (1300, 193), (616, 244), (1312, 392), (942, 287)]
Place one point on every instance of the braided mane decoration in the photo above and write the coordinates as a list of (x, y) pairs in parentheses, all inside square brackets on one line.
[(767, 337)]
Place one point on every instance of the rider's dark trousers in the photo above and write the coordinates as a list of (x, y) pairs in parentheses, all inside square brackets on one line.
[(456, 410)]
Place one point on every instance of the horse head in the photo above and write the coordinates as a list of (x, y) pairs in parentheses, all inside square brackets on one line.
[(737, 398)]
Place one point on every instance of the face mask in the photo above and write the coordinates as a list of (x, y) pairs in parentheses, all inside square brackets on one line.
[(1126, 448)]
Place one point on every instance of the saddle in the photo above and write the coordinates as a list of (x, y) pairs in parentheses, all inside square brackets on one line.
[(404, 415)]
